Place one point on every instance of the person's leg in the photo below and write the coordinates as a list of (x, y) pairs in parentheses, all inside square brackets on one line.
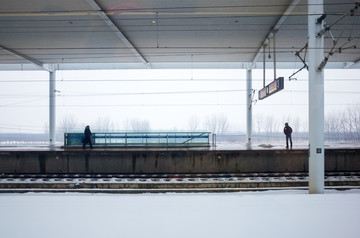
[(90, 143), (86, 141), (287, 141)]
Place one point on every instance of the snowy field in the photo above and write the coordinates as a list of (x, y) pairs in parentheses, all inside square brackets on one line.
[(293, 213)]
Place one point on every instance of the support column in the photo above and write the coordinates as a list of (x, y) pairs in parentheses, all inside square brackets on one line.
[(52, 107), (248, 106), (316, 99)]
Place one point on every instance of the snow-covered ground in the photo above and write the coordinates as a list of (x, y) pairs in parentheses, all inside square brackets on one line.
[(293, 213)]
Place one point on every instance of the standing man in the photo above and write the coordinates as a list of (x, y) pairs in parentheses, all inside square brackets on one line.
[(287, 132), (87, 137)]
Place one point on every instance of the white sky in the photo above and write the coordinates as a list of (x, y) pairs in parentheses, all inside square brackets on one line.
[(280, 214), (166, 98)]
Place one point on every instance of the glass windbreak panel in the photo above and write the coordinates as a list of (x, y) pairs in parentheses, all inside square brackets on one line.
[(172, 138), (99, 138), (74, 138), (153, 138), (183, 138), (163, 138), (136, 138), (118, 138), (200, 138)]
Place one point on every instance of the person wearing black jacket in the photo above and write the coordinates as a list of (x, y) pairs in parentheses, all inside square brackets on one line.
[(287, 131), (87, 137)]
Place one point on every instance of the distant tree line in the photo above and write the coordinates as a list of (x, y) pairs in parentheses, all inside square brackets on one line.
[(216, 123), (68, 123), (338, 126), (341, 126)]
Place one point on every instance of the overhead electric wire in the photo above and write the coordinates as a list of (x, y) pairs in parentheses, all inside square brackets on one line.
[(157, 93), (95, 94), (166, 80), (23, 102), (27, 127), (181, 105)]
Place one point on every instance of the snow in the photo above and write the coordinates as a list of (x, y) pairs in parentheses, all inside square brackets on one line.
[(289, 213)]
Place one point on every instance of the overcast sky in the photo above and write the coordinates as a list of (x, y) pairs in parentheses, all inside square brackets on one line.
[(165, 98)]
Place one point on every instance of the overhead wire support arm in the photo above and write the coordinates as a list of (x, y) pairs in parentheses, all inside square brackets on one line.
[(252, 98), (327, 28), (291, 76), (302, 60), (349, 47), (298, 54)]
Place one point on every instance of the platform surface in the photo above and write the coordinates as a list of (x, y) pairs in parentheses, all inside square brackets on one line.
[(279, 214), (219, 146)]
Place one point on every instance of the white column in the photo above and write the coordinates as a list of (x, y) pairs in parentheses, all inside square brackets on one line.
[(52, 107), (316, 99), (248, 106)]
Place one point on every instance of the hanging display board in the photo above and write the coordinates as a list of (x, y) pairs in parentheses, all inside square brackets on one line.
[(274, 87)]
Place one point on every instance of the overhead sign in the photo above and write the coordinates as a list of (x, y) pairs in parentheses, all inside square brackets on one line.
[(274, 87)]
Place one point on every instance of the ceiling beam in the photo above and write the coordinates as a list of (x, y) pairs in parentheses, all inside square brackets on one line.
[(287, 12), (93, 4), (25, 57)]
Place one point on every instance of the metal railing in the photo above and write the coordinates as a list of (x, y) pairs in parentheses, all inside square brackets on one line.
[(141, 139)]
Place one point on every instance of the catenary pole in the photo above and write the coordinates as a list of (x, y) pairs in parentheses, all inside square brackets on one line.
[(316, 98), (52, 107), (248, 106)]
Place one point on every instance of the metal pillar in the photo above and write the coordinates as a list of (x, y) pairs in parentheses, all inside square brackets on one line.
[(316, 99), (52, 107), (248, 106)]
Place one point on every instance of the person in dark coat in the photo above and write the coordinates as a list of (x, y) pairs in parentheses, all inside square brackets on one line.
[(87, 137), (287, 131)]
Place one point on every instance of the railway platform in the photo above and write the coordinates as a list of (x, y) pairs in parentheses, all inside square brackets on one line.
[(224, 168)]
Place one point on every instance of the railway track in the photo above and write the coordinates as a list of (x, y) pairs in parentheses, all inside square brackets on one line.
[(161, 183)]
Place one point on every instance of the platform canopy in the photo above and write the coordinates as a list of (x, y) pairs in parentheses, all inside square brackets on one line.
[(111, 34)]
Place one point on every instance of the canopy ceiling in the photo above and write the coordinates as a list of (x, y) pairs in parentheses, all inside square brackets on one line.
[(82, 34)]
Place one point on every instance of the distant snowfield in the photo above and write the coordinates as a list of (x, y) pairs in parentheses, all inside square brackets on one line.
[(294, 214)]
